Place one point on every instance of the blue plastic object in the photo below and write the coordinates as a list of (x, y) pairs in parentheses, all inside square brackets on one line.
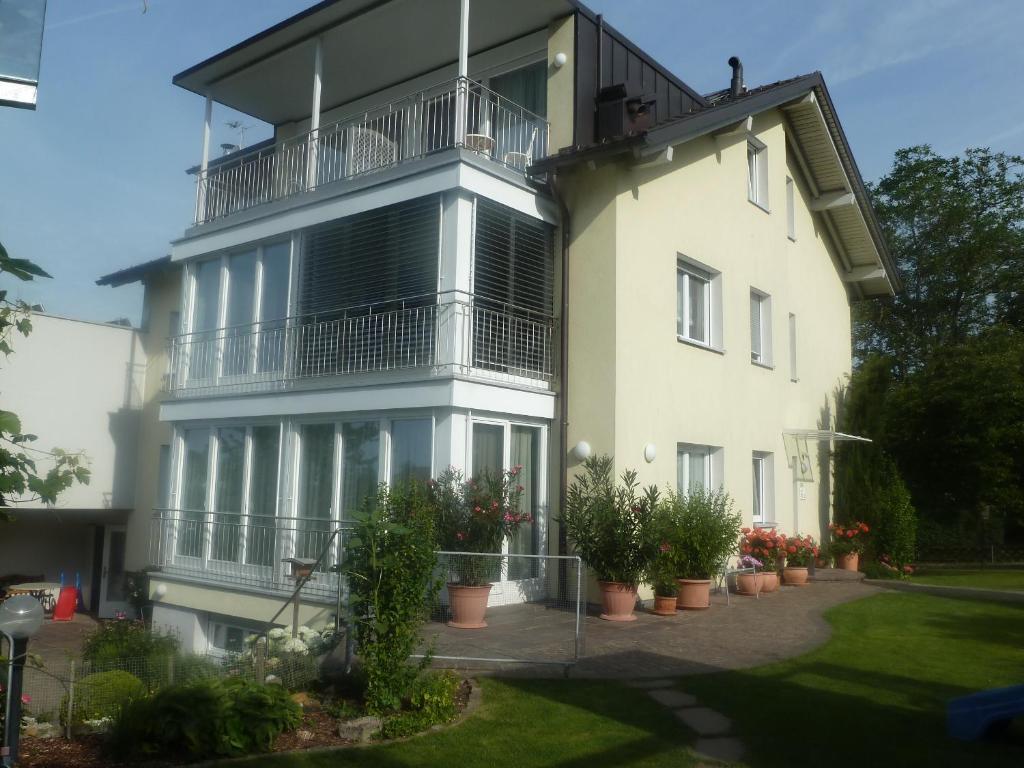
[(969, 718), (80, 607)]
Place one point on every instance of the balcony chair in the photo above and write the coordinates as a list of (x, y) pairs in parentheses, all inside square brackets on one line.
[(369, 150), (520, 160)]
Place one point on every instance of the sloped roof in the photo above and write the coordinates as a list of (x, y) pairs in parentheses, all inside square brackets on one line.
[(135, 273)]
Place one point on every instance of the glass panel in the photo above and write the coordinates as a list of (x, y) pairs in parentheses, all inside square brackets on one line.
[(526, 454), (411, 450), (163, 491), (698, 469), (203, 341), (681, 303), (360, 461), (698, 308), (488, 447), (261, 537), (316, 478), (117, 577), (274, 306), (755, 327), (241, 306), (193, 492), (758, 487), (227, 504), (526, 87), (751, 172)]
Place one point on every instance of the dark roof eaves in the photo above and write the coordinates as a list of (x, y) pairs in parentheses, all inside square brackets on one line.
[(135, 273)]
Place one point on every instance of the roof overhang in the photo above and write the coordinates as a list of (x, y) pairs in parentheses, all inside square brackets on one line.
[(368, 46), (136, 273), (821, 148)]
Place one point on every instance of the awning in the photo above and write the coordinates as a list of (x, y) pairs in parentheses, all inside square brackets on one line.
[(798, 454)]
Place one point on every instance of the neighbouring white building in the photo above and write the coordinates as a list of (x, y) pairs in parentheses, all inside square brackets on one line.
[(519, 235)]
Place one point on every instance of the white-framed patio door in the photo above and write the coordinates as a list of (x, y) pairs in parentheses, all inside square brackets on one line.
[(113, 575), (497, 446)]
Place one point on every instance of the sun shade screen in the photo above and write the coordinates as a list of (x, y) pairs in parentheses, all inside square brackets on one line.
[(374, 258), (513, 264)]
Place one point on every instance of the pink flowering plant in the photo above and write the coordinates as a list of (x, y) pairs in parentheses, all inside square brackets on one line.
[(476, 516)]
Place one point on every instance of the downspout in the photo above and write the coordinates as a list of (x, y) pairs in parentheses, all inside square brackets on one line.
[(563, 362)]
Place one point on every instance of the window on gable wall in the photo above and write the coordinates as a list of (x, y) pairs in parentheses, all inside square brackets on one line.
[(790, 209), (757, 173), (760, 328)]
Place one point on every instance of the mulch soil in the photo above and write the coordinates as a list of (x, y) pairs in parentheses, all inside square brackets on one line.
[(318, 729)]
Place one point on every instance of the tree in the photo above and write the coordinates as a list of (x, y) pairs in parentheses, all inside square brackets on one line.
[(955, 227), (20, 472)]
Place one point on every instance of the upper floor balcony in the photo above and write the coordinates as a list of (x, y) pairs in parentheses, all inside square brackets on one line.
[(458, 114)]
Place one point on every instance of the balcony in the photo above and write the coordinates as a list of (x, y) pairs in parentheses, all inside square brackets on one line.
[(439, 334), (459, 114)]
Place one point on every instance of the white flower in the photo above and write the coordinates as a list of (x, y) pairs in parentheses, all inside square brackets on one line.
[(276, 633), (295, 645)]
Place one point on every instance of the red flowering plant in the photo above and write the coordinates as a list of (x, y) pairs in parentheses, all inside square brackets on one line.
[(476, 516), (763, 544), (848, 539), (800, 551)]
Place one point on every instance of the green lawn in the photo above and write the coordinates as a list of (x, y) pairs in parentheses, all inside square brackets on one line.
[(875, 694), (527, 723), (1012, 580)]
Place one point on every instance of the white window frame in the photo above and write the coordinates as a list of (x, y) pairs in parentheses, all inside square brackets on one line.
[(687, 269), (211, 632), (765, 489), (763, 355), (757, 172), (791, 208), (794, 374), (713, 466)]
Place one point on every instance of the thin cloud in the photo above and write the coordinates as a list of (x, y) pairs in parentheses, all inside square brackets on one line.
[(139, 6)]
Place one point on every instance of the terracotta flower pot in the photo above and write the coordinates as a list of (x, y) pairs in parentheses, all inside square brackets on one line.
[(749, 584), (618, 601), (848, 562), (469, 604), (771, 581), (794, 576), (694, 594), (664, 606)]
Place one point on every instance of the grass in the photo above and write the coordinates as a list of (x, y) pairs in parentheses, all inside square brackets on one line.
[(988, 578), (876, 693), (532, 723)]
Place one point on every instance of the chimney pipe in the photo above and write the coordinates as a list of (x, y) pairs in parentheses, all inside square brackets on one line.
[(736, 84)]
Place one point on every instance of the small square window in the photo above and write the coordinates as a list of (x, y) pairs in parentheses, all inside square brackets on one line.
[(757, 173)]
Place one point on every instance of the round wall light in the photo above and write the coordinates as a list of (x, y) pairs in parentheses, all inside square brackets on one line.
[(650, 452), (160, 591), (581, 451), (560, 59)]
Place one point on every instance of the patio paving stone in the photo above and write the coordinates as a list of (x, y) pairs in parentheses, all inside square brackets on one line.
[(706, 722), (672, 698)]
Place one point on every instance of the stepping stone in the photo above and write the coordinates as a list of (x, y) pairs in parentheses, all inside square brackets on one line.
[(706, 722), (726, 749), (651, 684), (668, 697)]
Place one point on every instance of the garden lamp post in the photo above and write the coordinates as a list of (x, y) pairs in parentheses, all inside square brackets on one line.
[(302, 571), (20, 618)]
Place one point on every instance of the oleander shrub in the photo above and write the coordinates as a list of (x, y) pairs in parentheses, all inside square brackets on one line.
[(101, 695), (204, 719)]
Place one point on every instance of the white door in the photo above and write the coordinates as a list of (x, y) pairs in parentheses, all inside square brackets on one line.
[(114, 577)]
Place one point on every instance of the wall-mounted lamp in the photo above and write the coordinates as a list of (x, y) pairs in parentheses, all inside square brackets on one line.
[(160, 591), (560, 59), (581, 451), (650, 452)]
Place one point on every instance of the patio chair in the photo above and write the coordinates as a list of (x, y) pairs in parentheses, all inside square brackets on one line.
[(722, 578), (369, 150), (521, 159)]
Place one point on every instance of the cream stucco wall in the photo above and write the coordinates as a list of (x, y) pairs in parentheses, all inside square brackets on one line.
[(632, 382), (561, 83)]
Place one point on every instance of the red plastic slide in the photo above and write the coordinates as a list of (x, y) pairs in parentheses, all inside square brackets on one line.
[(66, 601)]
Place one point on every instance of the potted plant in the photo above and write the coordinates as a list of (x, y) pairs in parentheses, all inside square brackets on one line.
[(662, 571), (800, 553), (766, 545), (750, 584), (848, 541), (610, 527), (474, 516), (702, 534)]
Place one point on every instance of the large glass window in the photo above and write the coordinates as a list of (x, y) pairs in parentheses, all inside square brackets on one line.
[(411, 450), (276, 271), (525, 455), (195, 471), (261, 534), (360, 462), (238, 334), (316, 480), (488, 451), (227, 526), (205, 318)]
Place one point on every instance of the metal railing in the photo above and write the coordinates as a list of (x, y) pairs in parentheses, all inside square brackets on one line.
[(458, 113), (246, 550), (433, 332)]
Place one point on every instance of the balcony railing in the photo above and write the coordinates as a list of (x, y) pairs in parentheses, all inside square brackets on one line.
[(435, 332), (245, 550), (459, 113)]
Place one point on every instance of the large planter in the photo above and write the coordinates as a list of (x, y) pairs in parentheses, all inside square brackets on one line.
[(618, 601), (468, 604), (848, 562), (749, 584), (694, 594), (664, 605), (771, 581), (795, 576)]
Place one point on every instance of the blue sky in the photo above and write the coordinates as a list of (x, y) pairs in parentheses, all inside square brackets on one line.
[(94, 179)]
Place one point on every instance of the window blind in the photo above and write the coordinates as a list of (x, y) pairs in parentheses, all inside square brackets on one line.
[(513, 260)]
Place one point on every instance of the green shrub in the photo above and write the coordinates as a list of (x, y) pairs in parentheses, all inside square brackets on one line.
[(611, 526), (114, 641), (100, 695), (205, 719), (431, 703), (895, 529), (701, 529), (391, 572)]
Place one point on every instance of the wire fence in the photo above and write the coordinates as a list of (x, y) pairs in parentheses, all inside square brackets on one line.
[(982, 554), (521, 609), (81, 696)]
